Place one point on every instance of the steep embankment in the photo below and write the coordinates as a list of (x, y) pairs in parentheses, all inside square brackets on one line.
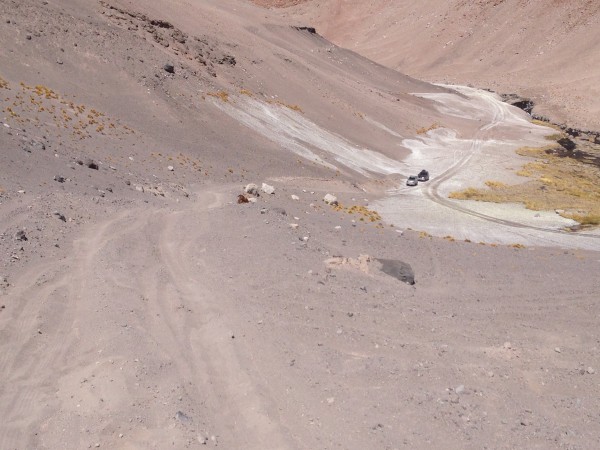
[(543, 50)]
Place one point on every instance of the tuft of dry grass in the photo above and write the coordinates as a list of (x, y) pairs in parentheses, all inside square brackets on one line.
[(495, 184), (557, 183), (3, 83), (424, 130), (246, 92), (222, 95), (285, 105), (365, 214)]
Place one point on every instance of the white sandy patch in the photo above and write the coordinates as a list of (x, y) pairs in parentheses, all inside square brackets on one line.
[(297, 134)]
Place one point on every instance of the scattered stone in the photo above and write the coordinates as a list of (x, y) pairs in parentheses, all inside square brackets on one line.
[(590, 371), (267, 189), (242, 199), (330, 400), (295, 197), (59, 178), (21, 236), (294, 226), (251, 189), (182, 417), (338, 227), (460, 389), (557, 349), (169, 68), (170, 168), (330, 199), (304, 239), (28, 37), (91, 164)]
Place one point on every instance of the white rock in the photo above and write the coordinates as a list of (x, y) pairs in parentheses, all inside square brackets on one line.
[(252, 200), (267, 189), (251, 189), (295, 197), (171, 168), (338, 227), (590, 370), (294, 226), (330, 199)]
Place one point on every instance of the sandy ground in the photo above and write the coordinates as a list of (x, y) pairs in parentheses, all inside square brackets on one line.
[(142, 306), (540, 49)]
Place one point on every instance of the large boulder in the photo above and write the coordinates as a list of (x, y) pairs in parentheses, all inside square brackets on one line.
[(251, 189), (330, 199), (398, 269)]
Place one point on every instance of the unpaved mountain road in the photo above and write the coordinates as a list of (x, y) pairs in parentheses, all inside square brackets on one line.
[(131, 319)]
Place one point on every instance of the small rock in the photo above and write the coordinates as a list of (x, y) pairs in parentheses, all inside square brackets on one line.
[(330, 199), (294, 226), (242, 199), (295, 197), (590, 370), (59, 178), (338, 227), (557, 349), (21, 236), (170, 168), (182, 417), (330, 400), (267, 189), (251, 189), (460, 389), (92, 164), (170, 68)]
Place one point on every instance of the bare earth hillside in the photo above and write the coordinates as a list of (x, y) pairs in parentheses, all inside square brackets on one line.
[(541, 50), (171, 275)]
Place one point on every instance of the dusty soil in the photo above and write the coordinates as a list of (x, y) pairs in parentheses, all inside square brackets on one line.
[(541, 50), (142, 306)]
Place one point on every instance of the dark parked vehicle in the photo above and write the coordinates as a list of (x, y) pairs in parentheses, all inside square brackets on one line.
[(412, 181), (423, 175)]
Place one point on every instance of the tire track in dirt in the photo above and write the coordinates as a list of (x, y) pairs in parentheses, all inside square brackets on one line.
[(433, 194), (238, 406)]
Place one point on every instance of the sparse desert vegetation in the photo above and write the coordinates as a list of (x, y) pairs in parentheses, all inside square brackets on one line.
[(558, 183)]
